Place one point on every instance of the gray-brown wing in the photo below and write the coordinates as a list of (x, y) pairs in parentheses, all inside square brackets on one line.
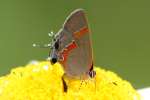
[(79, 59)]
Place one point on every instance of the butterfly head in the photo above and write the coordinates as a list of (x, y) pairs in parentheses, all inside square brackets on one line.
[(54, 51), (59, 44)]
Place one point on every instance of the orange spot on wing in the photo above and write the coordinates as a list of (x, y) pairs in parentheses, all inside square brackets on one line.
[(81, 32)]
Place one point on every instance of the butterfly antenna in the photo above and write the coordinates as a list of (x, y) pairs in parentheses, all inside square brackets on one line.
[(42, 46), (51, 34)]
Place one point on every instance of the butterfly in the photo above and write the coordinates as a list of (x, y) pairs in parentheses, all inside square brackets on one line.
[(72, 47)]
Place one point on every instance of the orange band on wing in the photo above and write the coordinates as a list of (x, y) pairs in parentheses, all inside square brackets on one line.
[(71, 46), (81, 32), (66, 51)]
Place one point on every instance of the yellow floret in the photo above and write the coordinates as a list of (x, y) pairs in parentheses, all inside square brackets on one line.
[(42, 81)]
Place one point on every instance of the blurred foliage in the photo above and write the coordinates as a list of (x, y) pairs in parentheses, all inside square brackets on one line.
[(120, 33)]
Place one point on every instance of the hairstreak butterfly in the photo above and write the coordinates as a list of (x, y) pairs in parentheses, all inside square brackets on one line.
[(72, 47)]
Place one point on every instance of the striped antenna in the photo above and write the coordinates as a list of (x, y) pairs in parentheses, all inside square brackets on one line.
[(51, 34), (42, 46)]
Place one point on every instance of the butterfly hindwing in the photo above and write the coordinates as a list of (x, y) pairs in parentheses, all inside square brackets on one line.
[(76, 49)]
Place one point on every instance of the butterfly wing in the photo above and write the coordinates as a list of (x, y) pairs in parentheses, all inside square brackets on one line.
[(78, 52)]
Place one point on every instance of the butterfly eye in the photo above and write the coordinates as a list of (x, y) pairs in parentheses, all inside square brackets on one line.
[(54, 39), (56, 45)]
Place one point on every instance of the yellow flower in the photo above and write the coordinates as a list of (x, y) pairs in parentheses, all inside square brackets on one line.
[(42, 81)]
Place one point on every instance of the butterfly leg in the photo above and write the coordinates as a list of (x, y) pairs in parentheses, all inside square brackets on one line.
[(81, 83), (65, 87), (92, 75)]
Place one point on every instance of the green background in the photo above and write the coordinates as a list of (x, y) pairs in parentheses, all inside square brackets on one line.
[(120, 33)]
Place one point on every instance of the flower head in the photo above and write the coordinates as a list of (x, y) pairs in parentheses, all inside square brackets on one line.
[(43, 81)]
